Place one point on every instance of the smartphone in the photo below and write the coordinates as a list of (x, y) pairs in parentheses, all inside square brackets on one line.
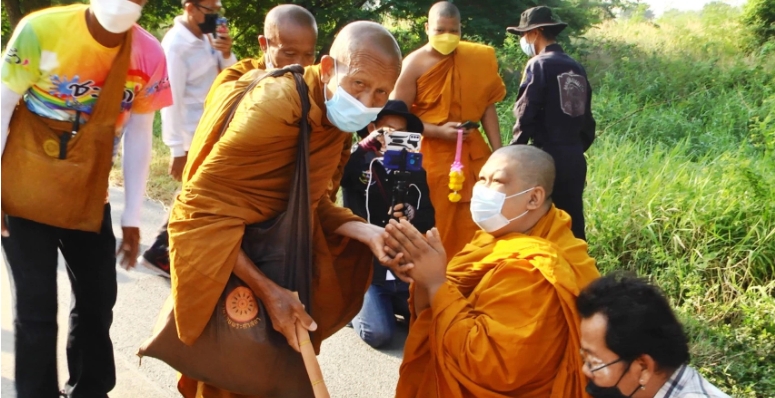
[(221, 25), (467, 125)]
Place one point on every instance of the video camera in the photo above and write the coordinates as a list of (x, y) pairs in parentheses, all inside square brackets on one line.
[(401, 157)]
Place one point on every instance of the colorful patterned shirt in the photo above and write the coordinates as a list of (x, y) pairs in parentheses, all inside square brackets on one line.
[(58, 66)]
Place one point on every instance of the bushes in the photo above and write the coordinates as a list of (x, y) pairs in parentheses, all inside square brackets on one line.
[(681, 179)]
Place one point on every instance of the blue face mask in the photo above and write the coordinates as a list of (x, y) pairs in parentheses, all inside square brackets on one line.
[(346, 112)]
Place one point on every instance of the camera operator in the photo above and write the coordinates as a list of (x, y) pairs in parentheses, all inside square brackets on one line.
[(367, 189)]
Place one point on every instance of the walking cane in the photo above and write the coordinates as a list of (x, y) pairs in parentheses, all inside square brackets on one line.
[(311, 361)]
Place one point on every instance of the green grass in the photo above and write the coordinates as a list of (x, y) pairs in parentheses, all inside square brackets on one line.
[(681, 180)]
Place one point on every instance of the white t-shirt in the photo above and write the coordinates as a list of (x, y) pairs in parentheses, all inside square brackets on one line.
[(192, 66)]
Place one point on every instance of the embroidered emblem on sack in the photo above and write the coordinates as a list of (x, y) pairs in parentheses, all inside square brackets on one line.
[(573, 93), (241, 308), (51, 148)]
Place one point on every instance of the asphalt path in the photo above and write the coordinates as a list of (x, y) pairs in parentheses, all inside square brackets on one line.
[(350, 367)]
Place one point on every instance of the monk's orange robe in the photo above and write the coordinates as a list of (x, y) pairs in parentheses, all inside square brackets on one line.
[(505, 323), (240, 68), (244, 177), (457, 89)]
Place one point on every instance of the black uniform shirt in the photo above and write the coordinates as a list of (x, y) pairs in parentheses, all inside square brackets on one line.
[(554, 102)]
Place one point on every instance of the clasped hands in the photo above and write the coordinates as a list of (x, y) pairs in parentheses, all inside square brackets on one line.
[(414, 257)]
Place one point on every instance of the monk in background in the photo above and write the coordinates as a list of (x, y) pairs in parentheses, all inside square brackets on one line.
[(500, 319), (447, 82), (244, 177), (290, 36)]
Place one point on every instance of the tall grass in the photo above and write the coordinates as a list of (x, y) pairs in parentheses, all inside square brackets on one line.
[(681, 180)]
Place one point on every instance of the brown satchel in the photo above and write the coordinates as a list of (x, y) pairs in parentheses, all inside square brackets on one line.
[(238, 350), (57, 174)]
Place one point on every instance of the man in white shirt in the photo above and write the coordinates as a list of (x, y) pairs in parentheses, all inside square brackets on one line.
[(197, 48)]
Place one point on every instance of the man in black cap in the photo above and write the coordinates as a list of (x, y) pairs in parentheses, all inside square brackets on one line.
[(554, 109), (367, 189)]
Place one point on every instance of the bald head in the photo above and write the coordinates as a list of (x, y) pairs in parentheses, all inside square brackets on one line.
[(287, 17), (444, 9), (366, 39), (534, 166)]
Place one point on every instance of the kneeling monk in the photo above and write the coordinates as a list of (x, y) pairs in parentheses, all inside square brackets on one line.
[(499, 320), (244, 177)]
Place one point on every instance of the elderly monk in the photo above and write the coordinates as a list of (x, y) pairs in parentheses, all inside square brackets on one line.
[(244, 177), (290, 36), (447, 82), (500, 319)]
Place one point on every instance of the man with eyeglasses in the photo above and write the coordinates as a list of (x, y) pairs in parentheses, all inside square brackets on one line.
[(197, 50), (633, 346), (498, 320)]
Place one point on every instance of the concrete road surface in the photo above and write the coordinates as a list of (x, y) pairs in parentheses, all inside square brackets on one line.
[(350, 367)]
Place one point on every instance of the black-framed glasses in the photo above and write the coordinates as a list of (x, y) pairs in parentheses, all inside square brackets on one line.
[(207, 9), (593, 370)]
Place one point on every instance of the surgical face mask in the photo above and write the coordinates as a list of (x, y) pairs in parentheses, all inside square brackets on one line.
[(345, 111), (116, 16), (444, 43), (527, 48), (486, 207), (209, 24)]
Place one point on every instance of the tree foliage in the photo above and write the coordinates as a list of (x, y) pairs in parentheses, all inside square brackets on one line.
[(484, 20), (759, 15)]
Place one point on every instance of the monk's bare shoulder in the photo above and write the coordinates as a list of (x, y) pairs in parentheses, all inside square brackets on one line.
[(420, 61)]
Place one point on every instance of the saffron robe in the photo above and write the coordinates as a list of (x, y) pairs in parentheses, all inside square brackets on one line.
[(240, 68), (244, 177), (458, 89), (505, 323)]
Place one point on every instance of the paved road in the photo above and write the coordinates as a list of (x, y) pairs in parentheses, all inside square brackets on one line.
[(351, 368)]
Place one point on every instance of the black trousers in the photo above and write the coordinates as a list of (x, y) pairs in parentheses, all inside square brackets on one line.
[(569, 183), (31, 254)]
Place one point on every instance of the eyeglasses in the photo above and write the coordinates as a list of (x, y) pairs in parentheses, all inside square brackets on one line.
[(208, 9), (595, 369)]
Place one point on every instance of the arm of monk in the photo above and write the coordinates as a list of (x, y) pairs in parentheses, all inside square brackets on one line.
[(242, 179), (508, 334)]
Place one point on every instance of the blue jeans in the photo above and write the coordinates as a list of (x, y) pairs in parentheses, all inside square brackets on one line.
[(376, 322)]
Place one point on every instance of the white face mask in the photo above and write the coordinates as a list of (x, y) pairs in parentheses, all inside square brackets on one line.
[(528, 48), (346, 112), (486, 207), (116, 16)]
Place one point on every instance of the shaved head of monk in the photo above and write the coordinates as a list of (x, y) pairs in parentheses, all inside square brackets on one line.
[(525, 175), (365, 61), (290, 36), (444, 17)]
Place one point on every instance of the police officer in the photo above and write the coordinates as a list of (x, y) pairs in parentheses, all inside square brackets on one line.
[(554, 108)]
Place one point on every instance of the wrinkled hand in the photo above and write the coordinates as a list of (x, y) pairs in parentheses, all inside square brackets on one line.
[(375, 239), (285, 310), (223, 41), (425, 253), (130, 247), (5, 232), (177, 164)]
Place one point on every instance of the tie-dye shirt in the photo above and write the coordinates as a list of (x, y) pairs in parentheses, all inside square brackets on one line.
[(58, 66)]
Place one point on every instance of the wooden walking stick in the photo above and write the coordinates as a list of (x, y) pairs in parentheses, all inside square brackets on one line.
[(311, 361)]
